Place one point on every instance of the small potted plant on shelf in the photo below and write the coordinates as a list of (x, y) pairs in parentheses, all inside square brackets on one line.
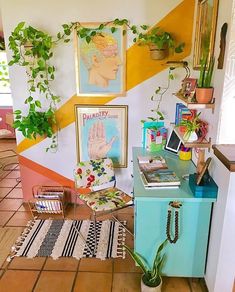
[(204, 90), (151, 280), (159, 42), (191, 128)]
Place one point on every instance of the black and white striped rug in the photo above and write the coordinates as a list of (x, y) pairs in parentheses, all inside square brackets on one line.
[(71, 238)]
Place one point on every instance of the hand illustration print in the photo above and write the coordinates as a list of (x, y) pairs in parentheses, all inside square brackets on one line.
[(98, 147)]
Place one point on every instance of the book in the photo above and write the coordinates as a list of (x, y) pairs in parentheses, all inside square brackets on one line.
[(161, 177), (151, 162), (148, 187)]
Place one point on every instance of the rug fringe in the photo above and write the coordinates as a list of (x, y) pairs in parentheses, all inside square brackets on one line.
[(21, 239)]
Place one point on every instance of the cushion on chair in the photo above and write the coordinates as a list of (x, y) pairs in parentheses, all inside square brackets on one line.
[(94, 173), (107, 199)]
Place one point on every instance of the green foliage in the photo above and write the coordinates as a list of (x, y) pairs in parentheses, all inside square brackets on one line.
[(206, 72), (191, 125), (32, 49), (158, 96), (152, 276), (35, 123), (160, 38)]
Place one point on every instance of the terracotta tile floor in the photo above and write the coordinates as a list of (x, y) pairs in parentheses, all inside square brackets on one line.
[(68, 274)]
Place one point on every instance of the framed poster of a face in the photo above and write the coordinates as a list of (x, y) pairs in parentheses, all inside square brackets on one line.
[(101, 131), (101, 62)]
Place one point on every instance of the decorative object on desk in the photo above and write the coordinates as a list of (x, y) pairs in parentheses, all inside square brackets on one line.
[(160, 43), (173, 142), (174, 207), (102, 132), (222, 45), (204, 170), (207, 11), (204, 90), (185, 153), (161, 177), (200, 154), (60, 238), (154, 135), (207, 188), (151, 280)]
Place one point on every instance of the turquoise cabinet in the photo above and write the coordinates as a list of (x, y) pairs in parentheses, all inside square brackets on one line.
[(187, 257)]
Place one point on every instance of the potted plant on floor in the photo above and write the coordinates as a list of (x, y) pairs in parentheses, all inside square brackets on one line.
[(151, 280), (159, 42), (204, 90)]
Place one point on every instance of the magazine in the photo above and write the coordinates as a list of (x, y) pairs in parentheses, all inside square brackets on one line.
[(161, 177)]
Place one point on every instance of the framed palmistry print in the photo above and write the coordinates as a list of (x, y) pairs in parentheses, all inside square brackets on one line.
[(102, 131)]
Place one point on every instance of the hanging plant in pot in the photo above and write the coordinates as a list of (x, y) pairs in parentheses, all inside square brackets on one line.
[(204, 90), (160, 43), (151, 280)]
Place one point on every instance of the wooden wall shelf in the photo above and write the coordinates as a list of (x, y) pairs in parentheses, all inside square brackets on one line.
[(194, 105), (202, 144)]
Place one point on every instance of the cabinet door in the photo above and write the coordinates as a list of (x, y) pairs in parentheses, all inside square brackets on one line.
[(188, 255)]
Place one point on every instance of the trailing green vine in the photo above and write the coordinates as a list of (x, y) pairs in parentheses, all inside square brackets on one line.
[(33, 49)]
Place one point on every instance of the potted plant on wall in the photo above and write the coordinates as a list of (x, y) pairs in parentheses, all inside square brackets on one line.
[(151, 280), (204, 90), (159, 42)]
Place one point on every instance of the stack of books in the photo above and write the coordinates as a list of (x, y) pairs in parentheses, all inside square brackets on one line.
[(155, 174)]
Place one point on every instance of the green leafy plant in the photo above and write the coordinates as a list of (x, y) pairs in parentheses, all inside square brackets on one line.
[(191, 125), (160, 38), (35, 123), (206, 72), (32, 49), (157, 97), (151, 276)]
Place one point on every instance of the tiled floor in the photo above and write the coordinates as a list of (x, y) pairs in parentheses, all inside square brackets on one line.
[(68, 274)]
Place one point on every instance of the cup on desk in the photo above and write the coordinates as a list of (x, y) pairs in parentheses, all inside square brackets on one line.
[(185, 153)]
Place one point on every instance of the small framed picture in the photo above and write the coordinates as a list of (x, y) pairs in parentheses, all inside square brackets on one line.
[(101, 62), (188, 88), (102, 132)]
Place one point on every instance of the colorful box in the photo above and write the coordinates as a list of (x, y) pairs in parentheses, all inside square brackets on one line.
[(208, 188)]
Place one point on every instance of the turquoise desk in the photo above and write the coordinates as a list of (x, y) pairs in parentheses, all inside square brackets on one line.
[(187, 257)]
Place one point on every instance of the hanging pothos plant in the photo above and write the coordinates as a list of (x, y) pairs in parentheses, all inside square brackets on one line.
[(157, 97), (33, 49)]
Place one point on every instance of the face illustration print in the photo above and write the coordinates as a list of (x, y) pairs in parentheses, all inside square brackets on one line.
[(101, 58)]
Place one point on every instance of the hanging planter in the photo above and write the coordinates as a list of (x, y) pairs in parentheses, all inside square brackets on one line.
[(160, 43), (156, 53)]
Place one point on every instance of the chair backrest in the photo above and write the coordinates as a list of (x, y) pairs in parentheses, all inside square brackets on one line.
[(94, 173)]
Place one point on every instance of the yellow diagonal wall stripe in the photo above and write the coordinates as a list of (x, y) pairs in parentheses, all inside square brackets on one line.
[(139, 65)]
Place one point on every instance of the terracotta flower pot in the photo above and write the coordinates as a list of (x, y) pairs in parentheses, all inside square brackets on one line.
[(145, 288), (204, 95), (156, 53)]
